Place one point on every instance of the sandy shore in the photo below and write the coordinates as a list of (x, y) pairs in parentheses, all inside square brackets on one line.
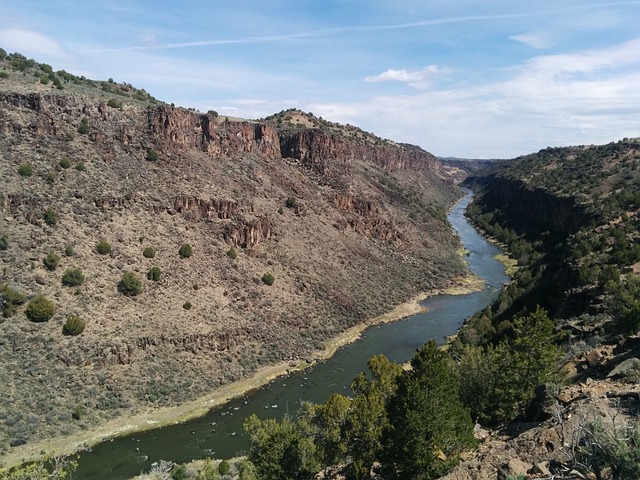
[(155, 418)]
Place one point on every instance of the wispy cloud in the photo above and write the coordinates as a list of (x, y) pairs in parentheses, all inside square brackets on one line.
[(626, 53), (417, 79), (534, 40), (21, 40), (370, 28)]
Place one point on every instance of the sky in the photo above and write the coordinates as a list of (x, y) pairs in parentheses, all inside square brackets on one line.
[(464, 78)]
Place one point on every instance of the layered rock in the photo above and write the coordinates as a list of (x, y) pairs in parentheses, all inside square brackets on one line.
[(315, 148)]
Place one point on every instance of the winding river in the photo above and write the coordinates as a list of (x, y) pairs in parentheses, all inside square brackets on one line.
[(219, 433)]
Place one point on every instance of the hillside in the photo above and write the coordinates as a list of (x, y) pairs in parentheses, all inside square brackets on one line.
[(570, 217), (298, 230)]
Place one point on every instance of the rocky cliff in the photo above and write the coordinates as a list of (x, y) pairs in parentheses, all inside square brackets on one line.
[(533, 207)]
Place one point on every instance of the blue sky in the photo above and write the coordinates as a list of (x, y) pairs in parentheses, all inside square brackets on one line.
[(477, 79)]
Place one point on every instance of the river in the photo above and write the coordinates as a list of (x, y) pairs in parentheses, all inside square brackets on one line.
[(219, 434)]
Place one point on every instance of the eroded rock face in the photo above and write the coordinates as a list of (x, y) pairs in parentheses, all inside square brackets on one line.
[(185, 129), (248, 233), (315, 148), (200, 209)]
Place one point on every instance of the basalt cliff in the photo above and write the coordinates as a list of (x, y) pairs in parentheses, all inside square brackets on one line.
[(298, 228)]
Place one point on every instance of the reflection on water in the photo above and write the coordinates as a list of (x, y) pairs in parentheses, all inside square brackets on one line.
[(219, 433)]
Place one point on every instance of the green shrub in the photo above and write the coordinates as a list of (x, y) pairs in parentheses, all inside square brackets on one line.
[(84, 126), (4, 243), (68, 251), (185, 250), (72, 277), (187, 305), (80, 167), (179, 472), (103, 247), (152, 155), (4, 74), (154, 274), (149, 252), (232, 254), (208, 471), (292, 202), (25, 170), (10, 300), (40, 309), (51, 261), (51, 178), (65, 163), (73, 326), (115, 103), (50, 216), (130, 284), (78, 412), (224, 467), (268, 279)]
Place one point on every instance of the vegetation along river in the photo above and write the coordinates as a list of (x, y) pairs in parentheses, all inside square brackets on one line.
[(219, 434)]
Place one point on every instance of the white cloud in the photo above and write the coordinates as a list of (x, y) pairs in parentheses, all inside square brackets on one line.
[(417, 79), (555, 100), (589, 61), (31, 44), (534, 40), (147, 38)]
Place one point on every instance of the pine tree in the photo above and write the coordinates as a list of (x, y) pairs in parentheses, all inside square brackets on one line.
[(428, 425), (367, 417)]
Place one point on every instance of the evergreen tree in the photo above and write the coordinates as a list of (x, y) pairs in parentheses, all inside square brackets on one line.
[(428, 425), (368, 415), (278, 450), (325, 424), (497, 383)]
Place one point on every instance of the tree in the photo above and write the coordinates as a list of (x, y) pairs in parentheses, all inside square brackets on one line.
[(325, 424), (130, 284), (428, 424), (247, 471), (497, 383), (625, 303), (368, 417), (40, 309), (279, 451)]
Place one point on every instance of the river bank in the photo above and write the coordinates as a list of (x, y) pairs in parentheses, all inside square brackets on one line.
[(155, 418)]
